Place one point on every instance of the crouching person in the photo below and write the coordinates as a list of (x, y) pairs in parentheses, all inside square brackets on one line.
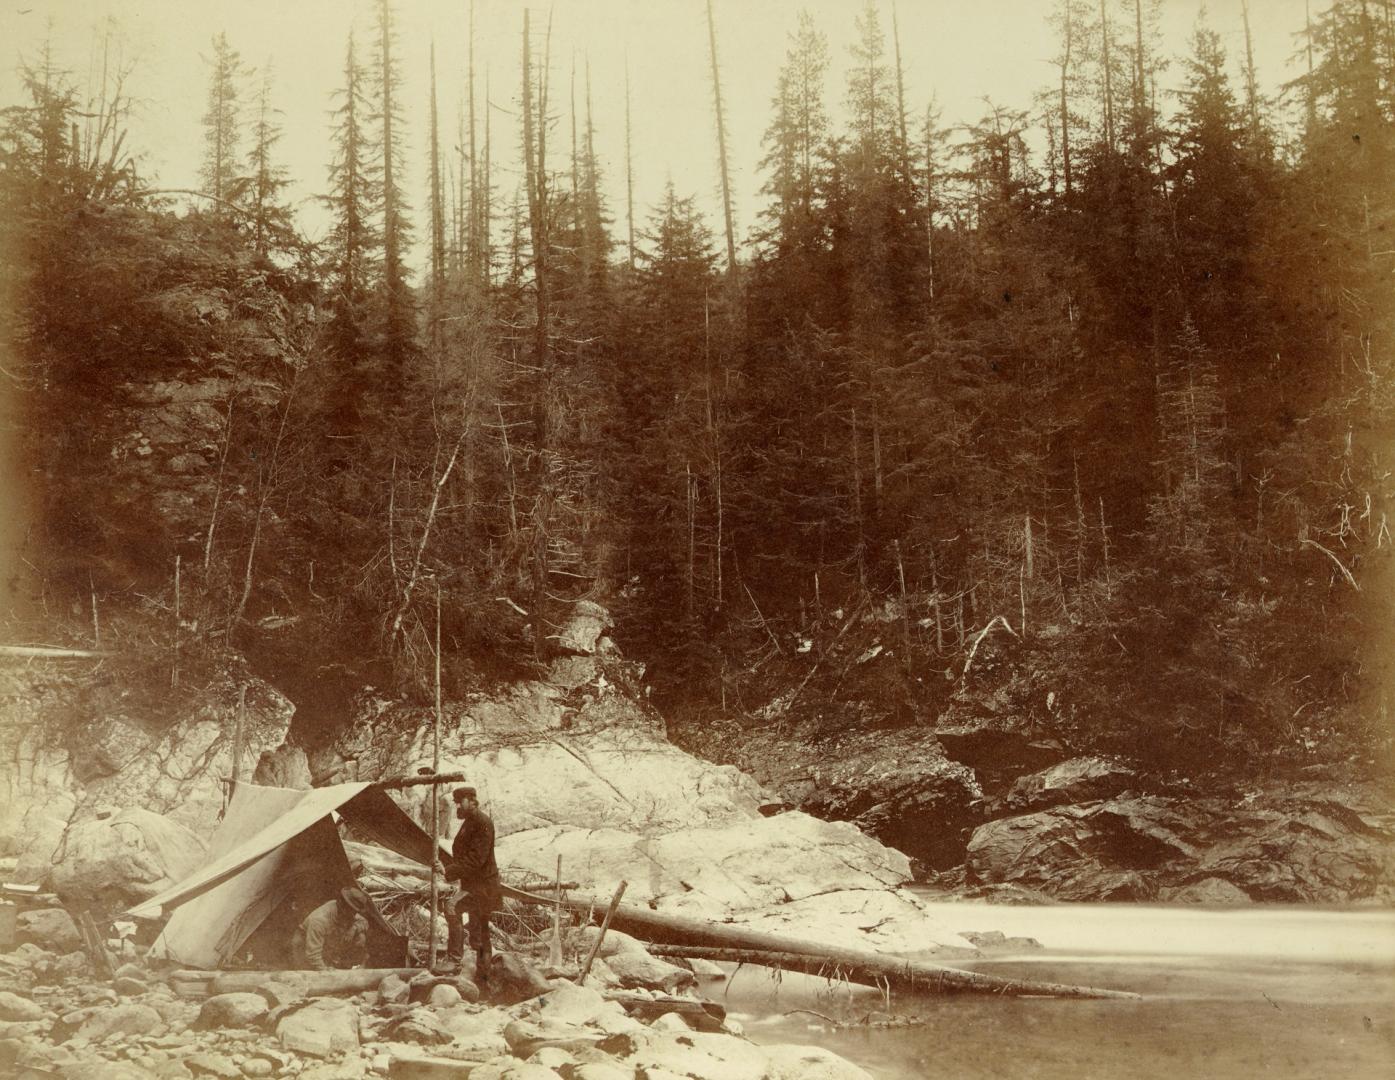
[(334, 934), (476, 875)]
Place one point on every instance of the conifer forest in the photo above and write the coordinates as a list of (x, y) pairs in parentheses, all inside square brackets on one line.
[(1079, 409)]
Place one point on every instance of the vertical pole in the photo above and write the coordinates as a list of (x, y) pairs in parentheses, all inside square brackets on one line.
[(174, 675), (435, 789), (237, 733)]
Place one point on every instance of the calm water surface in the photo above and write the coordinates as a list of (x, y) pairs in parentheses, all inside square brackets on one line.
[(1282, 993)]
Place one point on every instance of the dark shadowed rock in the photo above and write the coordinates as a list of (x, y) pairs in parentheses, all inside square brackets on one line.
[(896, 785), (1286, 845), (1077, 780)]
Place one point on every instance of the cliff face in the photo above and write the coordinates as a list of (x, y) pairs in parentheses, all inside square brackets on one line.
[(81, 742)]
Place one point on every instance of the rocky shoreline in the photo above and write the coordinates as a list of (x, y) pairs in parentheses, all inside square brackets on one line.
[(523, 1023)]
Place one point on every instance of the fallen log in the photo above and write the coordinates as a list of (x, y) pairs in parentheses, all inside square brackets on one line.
[(912, 976), (309, 983), (895, 972)]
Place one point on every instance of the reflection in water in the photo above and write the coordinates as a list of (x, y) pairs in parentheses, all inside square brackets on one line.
[(1286, 993)]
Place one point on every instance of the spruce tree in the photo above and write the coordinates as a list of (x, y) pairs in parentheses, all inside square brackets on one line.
[(222, 121)]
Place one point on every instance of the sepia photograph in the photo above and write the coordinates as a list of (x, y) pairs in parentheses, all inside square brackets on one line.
[(697, 539)]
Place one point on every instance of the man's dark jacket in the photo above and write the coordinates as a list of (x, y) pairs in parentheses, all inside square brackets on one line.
[(472, 854)]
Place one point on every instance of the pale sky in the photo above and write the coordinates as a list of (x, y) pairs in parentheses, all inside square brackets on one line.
[(960, 52)]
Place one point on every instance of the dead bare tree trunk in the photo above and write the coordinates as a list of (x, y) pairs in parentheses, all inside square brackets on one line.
[(721, 144), (414, 574)]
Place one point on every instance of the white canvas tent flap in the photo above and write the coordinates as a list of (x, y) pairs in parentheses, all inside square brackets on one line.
[(291, 812), (274, 850)]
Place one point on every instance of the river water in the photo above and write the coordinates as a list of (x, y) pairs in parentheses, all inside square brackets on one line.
[(1272, 992)]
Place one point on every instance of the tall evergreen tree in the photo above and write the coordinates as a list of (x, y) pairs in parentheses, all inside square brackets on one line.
[(269, 216), (222, 121), (352, 246)]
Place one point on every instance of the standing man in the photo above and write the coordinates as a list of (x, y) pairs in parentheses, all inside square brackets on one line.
[(473, 868)]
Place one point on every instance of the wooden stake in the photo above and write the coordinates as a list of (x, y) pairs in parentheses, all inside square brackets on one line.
[(554, 952), (605, 925)]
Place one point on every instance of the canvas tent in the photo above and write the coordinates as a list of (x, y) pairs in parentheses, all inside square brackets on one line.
[(275, 856)]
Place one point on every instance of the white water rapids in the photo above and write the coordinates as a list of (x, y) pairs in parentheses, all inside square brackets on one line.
[(1279, 992)]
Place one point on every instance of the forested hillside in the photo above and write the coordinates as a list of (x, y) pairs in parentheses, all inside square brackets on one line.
[(1082, 411)]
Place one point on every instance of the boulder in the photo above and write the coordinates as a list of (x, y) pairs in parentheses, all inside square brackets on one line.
[(393, 990), (16, 1009), (698, 1055), (574, 767), (1078, 780), (124, 859), (405, 1065), (48, 928), (639, 969), (320, 1027), (129, 987), (207, 1064), (572, 1005), (791, 1062), (443, 996), (614, 942), (128, 1019), (583, 631), (238, 1010)]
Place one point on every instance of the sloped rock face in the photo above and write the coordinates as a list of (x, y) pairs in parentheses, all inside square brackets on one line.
[(584, 755), (1304, 844), (583, 770), (711, 872), (75, 754), (896, 785)]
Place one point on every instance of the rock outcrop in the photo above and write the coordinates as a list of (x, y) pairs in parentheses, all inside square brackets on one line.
[(896, 785), (1313, 844), (583, 770), (78, 752)]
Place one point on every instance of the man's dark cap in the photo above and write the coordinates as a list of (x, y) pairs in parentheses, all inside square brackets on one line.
[(464, 793), (356, 899)]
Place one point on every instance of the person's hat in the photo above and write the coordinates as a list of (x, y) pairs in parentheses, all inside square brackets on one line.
[(464, 793), (356, 899)]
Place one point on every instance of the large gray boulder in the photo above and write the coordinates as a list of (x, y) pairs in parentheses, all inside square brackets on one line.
[(319, 1028), (123, 859)]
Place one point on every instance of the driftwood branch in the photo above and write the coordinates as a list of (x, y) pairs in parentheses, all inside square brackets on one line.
[(1345, 572), (978, 640), (52, 652)]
